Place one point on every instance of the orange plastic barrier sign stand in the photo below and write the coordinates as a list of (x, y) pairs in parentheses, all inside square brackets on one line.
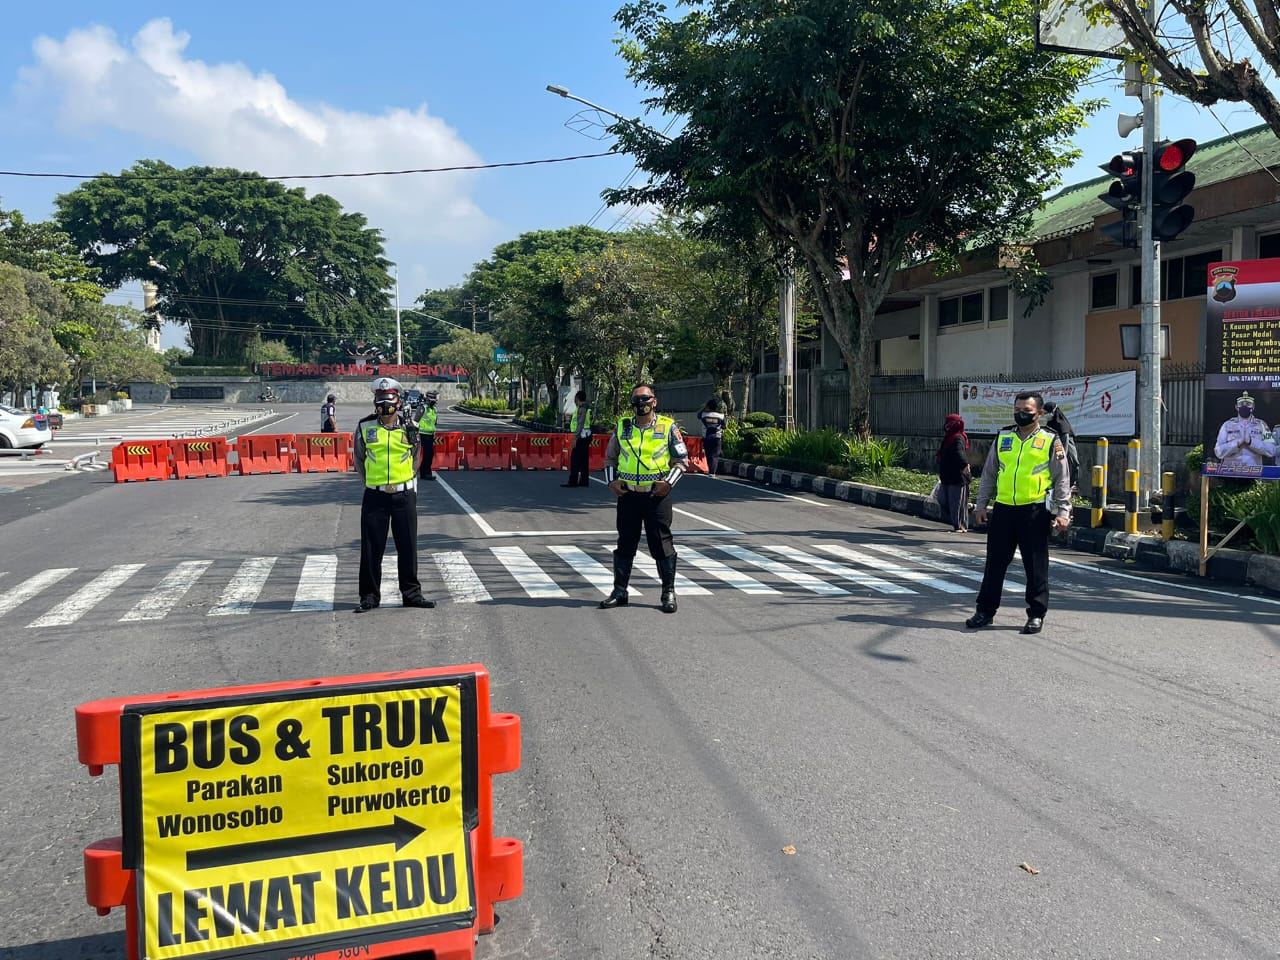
[(338, 817), (697, 458), (448, 451), (322, 452), (488, 451), (206, 457), (141, 460), (264, 453), (595, 455), (542, 451)]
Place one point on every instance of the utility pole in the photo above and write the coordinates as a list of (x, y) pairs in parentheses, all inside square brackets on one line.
[(1149, 375), (472, 304), (787, 346), (399, 345)]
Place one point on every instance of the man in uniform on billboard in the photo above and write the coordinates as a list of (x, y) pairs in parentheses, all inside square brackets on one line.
[(1244, 440)]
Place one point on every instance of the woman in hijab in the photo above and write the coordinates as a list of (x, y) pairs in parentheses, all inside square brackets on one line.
[(954, 473)]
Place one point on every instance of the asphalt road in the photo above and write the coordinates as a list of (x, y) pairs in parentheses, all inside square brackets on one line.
[(671, 764)]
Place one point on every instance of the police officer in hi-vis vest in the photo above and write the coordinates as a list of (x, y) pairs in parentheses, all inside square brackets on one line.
[(645, 459), (1027, 474), (427, 433), (580, 457), (386, 456)]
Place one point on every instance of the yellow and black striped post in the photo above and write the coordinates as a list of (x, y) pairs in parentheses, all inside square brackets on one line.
[(1103, 459), (1131, 501), (1099, 495), (1168, 484)]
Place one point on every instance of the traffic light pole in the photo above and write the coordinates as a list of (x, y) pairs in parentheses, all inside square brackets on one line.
[(1149, 375)]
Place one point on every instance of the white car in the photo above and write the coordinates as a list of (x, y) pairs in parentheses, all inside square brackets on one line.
[(18, 429)]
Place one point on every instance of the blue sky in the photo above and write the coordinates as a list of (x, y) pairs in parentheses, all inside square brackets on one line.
[(313, 88)]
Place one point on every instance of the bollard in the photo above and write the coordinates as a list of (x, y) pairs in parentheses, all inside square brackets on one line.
[(1131, 501), (1103, 457), (1135, 455), (1168, 484), (1099, 495)]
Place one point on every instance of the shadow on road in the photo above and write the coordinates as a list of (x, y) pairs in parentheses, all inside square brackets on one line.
[(102, 946)]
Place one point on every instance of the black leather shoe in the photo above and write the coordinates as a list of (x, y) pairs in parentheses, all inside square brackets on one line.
[(617, 598), (568, 484), (429, 476), (418, 601), (367, 604), (669, 600), (979, 620), (1033, 625)]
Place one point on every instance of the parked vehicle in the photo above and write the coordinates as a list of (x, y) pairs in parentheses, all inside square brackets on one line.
[(19, 429)]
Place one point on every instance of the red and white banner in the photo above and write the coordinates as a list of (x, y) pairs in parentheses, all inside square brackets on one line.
[(1103, 405)]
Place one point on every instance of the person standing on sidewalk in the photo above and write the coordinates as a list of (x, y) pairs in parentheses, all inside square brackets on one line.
[(712, 417), (386, 452), (954, 473), (1026, 474), (646, 457), (427, 434), (580, 456)]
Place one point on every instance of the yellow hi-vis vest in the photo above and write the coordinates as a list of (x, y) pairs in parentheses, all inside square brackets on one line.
[(1024, 467), (643, 455), (388, 455), (428, 422), (581, 419)]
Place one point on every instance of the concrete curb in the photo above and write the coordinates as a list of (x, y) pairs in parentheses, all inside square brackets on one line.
[(1239, 567), (506, 418)]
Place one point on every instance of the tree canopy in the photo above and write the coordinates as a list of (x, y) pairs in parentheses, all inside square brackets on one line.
[(236, 257), (863, 133)]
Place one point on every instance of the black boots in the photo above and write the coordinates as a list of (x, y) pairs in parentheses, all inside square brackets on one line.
[(667, 569), (621, 577)]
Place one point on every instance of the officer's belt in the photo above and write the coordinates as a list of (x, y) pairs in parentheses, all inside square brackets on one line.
[(396, 487)]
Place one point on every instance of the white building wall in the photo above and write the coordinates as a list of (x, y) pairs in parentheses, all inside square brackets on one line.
[(1069, 300), (900, 354), (973, 352)]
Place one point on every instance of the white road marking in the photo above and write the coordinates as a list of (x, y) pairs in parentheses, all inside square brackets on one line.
[(770, 492), (964, 573), (1176, 587), (31, 586), (527, 573), (316, 583), (159, 602), (594, 572), (840, 570), (274, 424), (782, 571), (459, 577), (692, 516), (244, 588), (888, 566), (684, 586), (88, 596), (470, 511), (730, 576)]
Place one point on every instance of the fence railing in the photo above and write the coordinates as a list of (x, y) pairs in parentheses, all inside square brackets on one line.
[(909, 406)]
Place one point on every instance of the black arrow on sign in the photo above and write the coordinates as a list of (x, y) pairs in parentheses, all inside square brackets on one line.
[(399, 832)]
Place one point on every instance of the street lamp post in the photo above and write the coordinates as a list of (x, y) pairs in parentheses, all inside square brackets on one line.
[(399, 345)]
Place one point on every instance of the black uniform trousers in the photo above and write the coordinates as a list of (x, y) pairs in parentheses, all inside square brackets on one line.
[(579, 462), (711, 447), (1025, 528), (400, 510), (636, 510), (428, 446)]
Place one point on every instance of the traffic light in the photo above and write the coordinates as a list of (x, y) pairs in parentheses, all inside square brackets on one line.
[(1125, 195), (1170, 184)]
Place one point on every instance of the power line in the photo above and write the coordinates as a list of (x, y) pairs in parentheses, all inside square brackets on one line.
[(186, 175)]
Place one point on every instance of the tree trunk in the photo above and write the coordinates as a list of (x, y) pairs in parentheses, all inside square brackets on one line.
[(746, 395)]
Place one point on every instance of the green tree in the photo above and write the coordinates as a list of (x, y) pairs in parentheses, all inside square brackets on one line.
[(474, 351), (108, 343), (31, 308), (863, 133), (43, 248), (234, 256)]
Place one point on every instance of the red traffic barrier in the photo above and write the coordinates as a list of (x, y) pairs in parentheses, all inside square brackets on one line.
[(595, 455), (488, 451), (448, 451), (542, 451), (322, 452), (697, 458), (264, 453), (141, 460), (325, 818), (200, 458)]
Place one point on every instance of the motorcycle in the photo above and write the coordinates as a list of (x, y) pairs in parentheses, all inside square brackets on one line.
[(268, 396)]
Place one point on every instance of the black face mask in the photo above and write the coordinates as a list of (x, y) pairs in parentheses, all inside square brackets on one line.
[(642, 405), (1244, 413), (385, 407), (1023, 419)]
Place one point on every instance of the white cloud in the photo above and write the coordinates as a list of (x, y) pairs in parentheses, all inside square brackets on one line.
[(225, 114)]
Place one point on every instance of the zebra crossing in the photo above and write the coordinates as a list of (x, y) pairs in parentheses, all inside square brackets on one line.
[(155, 423), (134, 593)]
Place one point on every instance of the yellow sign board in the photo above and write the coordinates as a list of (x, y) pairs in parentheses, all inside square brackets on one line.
[(313, 818)]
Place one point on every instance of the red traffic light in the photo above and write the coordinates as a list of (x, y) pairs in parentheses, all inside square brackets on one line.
[(1125, 164), (1173, 156)]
